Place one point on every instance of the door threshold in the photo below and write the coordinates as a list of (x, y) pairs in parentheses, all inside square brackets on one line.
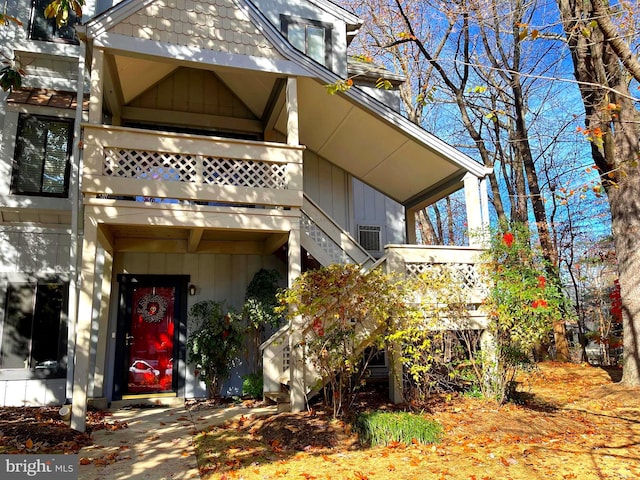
[(148, 400), (141, 396)]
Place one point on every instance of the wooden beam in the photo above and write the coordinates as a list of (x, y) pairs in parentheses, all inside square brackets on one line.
[(293, 134), (105, 237), (231, 247), (97, 86), (274, 108), (112, 91), (150, 245), (203, 120), (274, 242), (96, 184), (180, 246), (82, 354), (195, 235)]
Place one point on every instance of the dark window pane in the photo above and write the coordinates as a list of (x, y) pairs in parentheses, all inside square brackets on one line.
[(42, 156), (55, 167), (46, 29), (309, 36), (34, 332), (17, 328), (49, 338)]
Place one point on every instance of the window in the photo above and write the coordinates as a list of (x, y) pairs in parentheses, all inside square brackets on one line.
[(34, 331), (370, 237), (41, 162), (309, 36), (46, 29)]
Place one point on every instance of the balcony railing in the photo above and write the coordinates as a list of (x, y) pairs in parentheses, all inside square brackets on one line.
[(410, 260), (460, 262), (141, 164), (327, 241)]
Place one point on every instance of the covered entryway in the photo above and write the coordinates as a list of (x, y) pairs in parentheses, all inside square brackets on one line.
[(131, 248), (150, 338)]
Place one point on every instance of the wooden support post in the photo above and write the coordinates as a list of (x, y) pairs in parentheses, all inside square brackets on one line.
[(83, 329), (297, 387), (474, 209), (293, 137), (103, 325), (97, 85)]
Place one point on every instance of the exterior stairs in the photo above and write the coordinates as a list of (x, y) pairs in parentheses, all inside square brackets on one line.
[(328, 243)]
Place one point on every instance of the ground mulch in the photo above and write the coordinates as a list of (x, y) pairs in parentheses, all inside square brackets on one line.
[(42, 430), (569, 422)]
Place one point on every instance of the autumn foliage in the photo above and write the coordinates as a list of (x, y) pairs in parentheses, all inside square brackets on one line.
[(346, 311), (522, 304)]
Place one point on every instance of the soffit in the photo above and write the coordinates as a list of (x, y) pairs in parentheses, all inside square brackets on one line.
[(253, 89), (365, 145), (132, 82)]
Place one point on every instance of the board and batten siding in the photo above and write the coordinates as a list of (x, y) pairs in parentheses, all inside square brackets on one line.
[(193, 91), (371, 207), (223, 278), (328, 186), (351, 203)]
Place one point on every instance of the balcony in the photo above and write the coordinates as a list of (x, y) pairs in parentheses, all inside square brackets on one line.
[(167, 167), (462, 263)]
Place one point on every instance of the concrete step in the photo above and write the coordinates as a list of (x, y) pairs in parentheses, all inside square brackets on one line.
[(281, 399), (148, 401)]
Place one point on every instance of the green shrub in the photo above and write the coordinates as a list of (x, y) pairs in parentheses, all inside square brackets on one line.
[(383, 428), (252, 385), (215, 338)]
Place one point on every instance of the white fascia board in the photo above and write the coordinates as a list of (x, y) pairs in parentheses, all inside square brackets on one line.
[(337, 11), (361, 98), (111, 17), (188, 55)]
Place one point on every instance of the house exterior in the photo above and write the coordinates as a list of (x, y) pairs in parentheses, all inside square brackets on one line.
[(160, 153)]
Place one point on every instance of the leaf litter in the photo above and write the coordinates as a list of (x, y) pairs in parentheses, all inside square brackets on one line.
[(569, 421)]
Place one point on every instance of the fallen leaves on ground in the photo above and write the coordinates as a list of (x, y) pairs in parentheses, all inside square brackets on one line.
[(41, 430), (571, 422)]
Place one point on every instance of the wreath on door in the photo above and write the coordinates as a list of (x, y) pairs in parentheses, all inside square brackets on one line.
[(152, 308)]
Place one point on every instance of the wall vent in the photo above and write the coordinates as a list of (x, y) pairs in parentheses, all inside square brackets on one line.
[(370, 237)]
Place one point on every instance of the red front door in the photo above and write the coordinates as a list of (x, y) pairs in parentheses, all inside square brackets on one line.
[(149, 340)]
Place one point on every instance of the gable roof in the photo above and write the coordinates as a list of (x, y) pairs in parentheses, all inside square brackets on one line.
[(350, 129)]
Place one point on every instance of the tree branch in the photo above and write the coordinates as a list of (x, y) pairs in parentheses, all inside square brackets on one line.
[(611, 34)]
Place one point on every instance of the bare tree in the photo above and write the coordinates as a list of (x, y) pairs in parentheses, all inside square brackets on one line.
[(476, 52)]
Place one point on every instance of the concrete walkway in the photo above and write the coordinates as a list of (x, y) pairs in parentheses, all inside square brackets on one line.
[(156, 445)]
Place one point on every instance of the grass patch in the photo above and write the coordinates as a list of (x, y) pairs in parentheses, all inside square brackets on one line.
[(384, 428)]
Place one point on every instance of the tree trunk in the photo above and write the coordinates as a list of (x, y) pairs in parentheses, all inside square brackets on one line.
[(613, 123), (625, 214)]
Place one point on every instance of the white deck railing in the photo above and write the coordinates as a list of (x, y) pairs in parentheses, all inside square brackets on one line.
[(327, 241), (411, 260), (460, 262), (128, 162)]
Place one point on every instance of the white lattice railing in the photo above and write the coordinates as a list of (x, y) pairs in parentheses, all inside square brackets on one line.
[(327, 241), (411, 260), (121, 161), (465, 274), (460, 262)]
